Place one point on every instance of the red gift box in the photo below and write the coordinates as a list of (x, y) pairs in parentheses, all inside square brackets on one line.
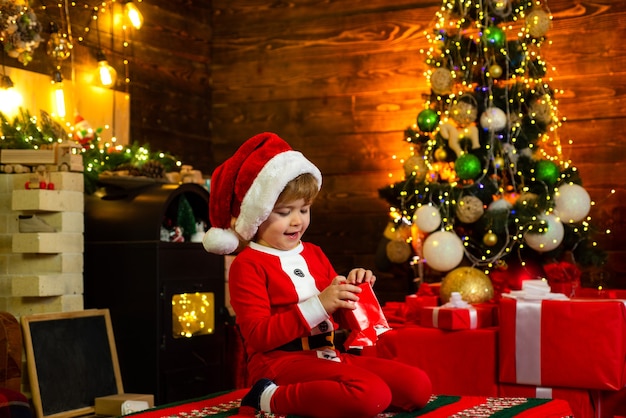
[(610, 404), (578, 399), (588, 292), (415, 304), (366, 322), (460, 362), (395, 312), (451, 319), (563, 343)]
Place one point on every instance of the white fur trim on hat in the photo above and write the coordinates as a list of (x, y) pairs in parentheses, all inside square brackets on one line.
[(220, 241), (261, 197)]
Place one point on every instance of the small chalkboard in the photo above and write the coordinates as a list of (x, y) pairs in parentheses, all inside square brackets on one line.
[(71, 359)]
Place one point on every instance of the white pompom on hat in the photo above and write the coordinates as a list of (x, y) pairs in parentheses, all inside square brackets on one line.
[(246, 187)]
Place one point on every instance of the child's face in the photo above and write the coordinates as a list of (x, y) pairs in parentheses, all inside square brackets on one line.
[(285, 226)]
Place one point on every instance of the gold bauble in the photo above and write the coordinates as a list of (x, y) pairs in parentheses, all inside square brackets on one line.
[(395, 231), (498, 162), (469, 209), (464, 111), (537, 23), (540, 110), (415, 165), (473, 285), (490, 239), (441, 81), (440, 154), (398, 251), (495, 71)]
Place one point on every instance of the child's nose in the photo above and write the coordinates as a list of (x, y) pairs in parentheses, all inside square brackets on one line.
[(296, 219)]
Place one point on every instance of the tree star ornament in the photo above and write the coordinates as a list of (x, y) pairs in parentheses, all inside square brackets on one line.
[(454, 136)]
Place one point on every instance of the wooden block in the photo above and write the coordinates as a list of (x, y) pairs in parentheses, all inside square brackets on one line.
[(62, 180), (31, 156), (64, 221), (48, 200), (21, 306), (45, 285), (44, 263), (48, 242), (115, 405)]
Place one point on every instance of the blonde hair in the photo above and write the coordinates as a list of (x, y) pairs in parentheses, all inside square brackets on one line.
[(305, 186)]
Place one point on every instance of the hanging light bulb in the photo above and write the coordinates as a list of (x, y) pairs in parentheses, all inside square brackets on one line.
[(10, 98), (133, 14), (105, 74), (58, 46), (58, 94)]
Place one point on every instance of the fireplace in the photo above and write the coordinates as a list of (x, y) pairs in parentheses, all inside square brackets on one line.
[(166, 299)]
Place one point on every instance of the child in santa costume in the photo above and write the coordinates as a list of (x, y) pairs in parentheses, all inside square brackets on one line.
[(284, 293)]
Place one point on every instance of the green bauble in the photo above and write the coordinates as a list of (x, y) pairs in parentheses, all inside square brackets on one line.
[(547, 171), (494, 36), (467, 167), (427, 120)]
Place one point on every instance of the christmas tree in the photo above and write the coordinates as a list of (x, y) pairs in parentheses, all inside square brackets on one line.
[(486, 184)]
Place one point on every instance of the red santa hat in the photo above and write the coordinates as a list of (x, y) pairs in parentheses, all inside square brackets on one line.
[(246, 186)]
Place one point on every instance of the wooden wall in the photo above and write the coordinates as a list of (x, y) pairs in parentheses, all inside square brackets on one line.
[(340, 81)]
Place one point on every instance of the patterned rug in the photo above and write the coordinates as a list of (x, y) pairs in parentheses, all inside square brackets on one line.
[(226, 404)]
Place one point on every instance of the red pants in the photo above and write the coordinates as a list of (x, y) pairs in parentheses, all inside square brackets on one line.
[(355, 387)]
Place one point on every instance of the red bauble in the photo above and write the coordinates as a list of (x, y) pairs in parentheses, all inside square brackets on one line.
[(511, 277)]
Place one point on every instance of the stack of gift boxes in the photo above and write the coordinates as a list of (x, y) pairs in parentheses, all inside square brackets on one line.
[(530, 343)]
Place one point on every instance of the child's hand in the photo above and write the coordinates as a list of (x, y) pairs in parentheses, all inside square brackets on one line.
[(360, 275), (339, 294)]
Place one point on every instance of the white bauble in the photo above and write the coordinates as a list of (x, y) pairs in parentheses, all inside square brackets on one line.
[(493, 119), (427, 218), (572, 203), (443, 250), (499, 204), (548, 240)]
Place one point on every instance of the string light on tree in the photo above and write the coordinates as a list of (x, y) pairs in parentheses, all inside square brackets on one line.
[(498, 186)]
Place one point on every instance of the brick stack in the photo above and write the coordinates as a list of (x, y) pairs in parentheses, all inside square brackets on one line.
[(42, 272)]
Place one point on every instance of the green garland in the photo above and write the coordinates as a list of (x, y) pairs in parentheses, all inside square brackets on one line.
[(28, 132)]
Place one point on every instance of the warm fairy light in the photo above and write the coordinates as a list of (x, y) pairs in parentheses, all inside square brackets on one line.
[(193, 314), (10, 98), (134, 15)]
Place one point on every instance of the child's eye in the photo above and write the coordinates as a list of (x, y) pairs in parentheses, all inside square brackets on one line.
[(283, 212)]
